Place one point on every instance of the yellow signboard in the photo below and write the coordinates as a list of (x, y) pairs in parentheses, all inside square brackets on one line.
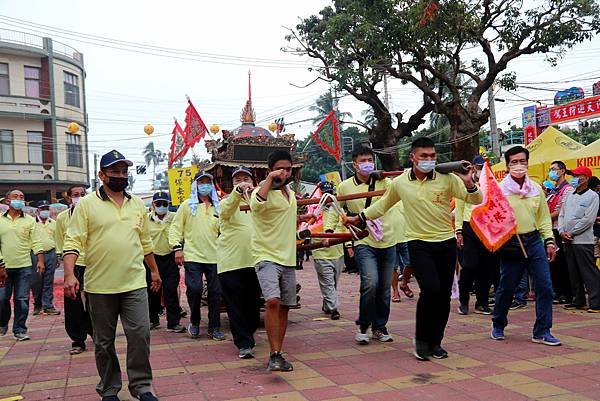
[(180, 183)]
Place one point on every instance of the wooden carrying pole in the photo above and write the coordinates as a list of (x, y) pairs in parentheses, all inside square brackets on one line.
[(318, 245), (302, 202)]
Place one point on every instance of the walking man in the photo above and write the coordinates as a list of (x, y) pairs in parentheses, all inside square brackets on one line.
[(112, 227)]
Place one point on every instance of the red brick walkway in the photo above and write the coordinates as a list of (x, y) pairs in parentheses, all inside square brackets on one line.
[(328, 364)]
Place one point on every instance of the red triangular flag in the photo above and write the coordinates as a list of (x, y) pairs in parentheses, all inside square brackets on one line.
[(493, 220), (195, 129), (179, 144), (328, 135)]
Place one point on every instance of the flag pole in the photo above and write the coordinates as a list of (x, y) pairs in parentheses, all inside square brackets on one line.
[(522, 246)]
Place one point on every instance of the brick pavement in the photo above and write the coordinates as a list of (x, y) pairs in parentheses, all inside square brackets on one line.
[(328, 364)]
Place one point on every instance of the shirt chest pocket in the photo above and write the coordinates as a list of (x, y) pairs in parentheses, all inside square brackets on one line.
[(133, 220), (24, 233), (580, 209)]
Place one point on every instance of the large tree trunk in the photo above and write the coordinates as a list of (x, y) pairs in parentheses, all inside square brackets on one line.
[(464, 131), (385, 136)]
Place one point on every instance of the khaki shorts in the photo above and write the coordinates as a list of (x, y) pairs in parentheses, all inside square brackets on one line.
[(277, 281)]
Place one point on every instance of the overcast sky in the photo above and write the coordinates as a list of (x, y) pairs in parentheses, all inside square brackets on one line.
[(126, 90)]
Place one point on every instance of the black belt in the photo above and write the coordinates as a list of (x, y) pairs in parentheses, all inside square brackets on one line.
[(530, 235)]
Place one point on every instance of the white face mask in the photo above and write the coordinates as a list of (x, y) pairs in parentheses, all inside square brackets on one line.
[(426, 166), (518, 171), (75, 200)]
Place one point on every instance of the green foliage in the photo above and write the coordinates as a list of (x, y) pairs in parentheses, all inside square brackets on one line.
[(587, 135)]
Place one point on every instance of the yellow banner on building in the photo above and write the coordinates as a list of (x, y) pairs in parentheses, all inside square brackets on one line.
[(180, 183), (333, 176)]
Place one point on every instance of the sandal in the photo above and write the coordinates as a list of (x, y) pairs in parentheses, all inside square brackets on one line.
[(406, 290), (76, 350), (396, 299)]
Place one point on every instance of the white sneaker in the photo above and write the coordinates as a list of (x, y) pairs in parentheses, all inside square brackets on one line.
[(362, 338)]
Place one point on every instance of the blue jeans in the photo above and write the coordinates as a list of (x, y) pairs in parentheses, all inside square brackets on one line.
[(19, 281), (375, 266), (511, 273), (42, 285), (522, 288)]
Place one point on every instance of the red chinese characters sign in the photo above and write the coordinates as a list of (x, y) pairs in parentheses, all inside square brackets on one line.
[(575, 110)]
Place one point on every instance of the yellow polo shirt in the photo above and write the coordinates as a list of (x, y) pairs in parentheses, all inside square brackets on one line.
[(426, 204), (532, 214), (331, 221), (115, 240), (355, 206), (159, 231), (62, 221), (234, 247), (18, 238), (462, 213), (274, 218), (396, 215), (199, 233), (46, 233)]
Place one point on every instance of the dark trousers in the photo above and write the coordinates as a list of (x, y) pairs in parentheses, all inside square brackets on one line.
[(42, 285), (77, 318), (169, 274), (17, 281), (193, 281), (132, 308), (560, 272), (241, 293), (434, 264), (583, 272), (153, 298), (477, 266)]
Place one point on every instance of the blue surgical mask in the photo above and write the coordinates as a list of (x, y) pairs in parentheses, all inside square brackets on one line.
[(44, 214), (205, 189), (161, 210), (17, 204), (553, 175), (366, 167), (426, 166), (574, 182)]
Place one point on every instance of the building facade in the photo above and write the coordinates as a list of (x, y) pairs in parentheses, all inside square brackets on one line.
[(42, 91)]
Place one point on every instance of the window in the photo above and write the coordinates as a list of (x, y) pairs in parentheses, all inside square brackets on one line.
[(4, 84), (71, 89), (32, 81), (6, 146), (34, 146), (74, 153)]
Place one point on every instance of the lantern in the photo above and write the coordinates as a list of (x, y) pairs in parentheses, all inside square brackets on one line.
[(73, 127), (272, 127), (148, 129), (214, 129)]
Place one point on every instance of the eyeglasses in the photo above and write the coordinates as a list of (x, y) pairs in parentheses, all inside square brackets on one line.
[(161, 203)]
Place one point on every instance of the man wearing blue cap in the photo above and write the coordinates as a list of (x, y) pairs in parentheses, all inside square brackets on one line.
[(159, 223), (197, 224), (111, 226), (478, 264)]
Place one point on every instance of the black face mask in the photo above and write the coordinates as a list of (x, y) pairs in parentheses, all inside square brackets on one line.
[(117, 184)]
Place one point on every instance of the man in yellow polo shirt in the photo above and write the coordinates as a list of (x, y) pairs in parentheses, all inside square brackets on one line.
[(235, 263), (273, 205), (77, 318), (196, 224), (18, 237), (426, 196), (375, 257), (112, 227), (42, 285), (159, 223)]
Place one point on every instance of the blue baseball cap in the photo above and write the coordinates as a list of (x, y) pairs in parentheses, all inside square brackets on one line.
[(43, 204), (113, 157), (201, 174), (161, 196), (478, 161), (241, 169)]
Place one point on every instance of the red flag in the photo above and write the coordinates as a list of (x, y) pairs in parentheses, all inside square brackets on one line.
[(494, 219), (328, 135), (195, 129), (179, 144)]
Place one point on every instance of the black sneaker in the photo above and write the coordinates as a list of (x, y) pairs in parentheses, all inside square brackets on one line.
[(51, 311), (176, 329), (111, 398), (37, 310), (147, 397), (483, 310), (422, 351), (573, 307), (438, 352), (335, 315), (277, 363), (517, 305), (154, 325), (463, 309)]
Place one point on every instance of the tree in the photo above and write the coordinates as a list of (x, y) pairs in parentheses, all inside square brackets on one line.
[(155, 157), (323, 106), (423, 43)]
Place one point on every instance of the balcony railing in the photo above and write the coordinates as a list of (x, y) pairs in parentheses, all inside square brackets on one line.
[(24, 105), (31, 40)]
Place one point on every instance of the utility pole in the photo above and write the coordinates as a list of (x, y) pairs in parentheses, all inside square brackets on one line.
[(493, 127), (334, 104), (95, 179)]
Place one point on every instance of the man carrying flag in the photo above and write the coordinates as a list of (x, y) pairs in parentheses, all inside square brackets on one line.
[(525, 250)]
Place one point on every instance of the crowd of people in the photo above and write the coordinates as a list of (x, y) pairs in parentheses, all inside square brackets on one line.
[(122, 261)]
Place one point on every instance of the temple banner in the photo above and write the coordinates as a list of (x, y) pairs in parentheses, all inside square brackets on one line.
[(180, 180), (333, 176)]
